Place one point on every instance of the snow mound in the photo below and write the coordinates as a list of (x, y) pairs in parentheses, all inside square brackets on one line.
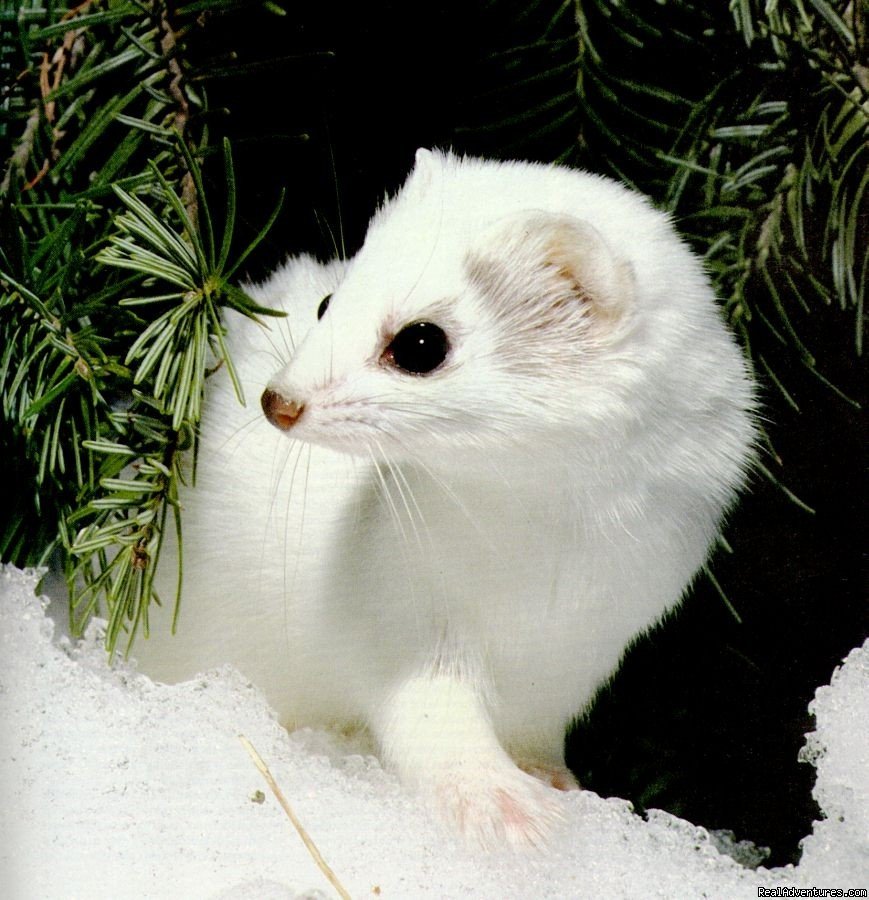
[(114, 786), (839, 750)]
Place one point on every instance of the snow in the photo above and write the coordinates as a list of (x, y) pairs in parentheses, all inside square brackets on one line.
[(114, 786)]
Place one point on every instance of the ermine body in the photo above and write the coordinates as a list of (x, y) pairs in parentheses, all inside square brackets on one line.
[(502, 452)]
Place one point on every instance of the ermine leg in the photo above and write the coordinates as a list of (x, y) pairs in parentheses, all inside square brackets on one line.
[(437, 735)]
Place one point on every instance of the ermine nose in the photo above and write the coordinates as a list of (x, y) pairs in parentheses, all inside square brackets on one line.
[(280, 412)]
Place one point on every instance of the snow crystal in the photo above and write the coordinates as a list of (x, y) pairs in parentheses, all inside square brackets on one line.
[(114, 786)]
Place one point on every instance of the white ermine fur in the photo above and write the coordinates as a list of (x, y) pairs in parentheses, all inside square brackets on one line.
[(457, 558)]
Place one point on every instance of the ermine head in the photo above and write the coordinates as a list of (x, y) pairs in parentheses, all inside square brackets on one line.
[(480, 314)]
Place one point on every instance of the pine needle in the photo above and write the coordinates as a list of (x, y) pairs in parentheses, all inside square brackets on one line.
[(306, 840)]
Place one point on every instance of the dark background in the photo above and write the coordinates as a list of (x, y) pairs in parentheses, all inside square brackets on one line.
[(707, 716)]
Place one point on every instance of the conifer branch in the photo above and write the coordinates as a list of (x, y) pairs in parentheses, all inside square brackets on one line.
[(112, 291)]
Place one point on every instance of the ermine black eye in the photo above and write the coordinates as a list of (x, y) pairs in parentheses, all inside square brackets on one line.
[(418, 348), (324, 305)]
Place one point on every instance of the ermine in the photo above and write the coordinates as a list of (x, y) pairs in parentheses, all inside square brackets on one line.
[(496, 447)]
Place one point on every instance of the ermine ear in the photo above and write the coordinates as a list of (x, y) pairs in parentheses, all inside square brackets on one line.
[(426, 168), (423, 158), (552, 259), (578, 254)]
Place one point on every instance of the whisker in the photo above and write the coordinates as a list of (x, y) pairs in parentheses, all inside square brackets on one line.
[(444, 487), (278, 473), (401, 484), (459, 504), (399, 472), (238, 432), (282, 334), (324, 225), (342, 253), (280, 458), (387, 496), (396, 516), (276, 477), (289, 584)]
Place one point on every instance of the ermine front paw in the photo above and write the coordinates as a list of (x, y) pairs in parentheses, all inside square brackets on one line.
[(498, 806)]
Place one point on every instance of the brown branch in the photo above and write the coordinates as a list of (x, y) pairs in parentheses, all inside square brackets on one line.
[(169, 48), (51, 72)]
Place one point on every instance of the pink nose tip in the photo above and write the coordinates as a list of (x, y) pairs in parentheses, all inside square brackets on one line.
[(280, 412)]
